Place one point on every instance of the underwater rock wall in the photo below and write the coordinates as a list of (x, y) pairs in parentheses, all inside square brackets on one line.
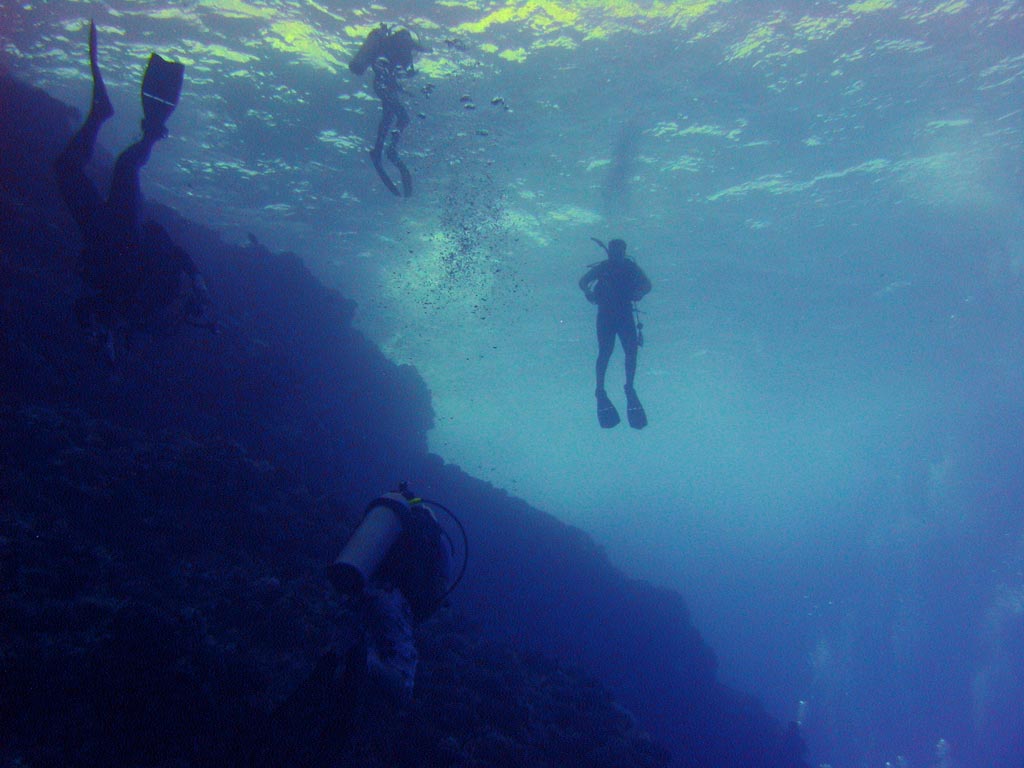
[(165, 522), (163, 603)]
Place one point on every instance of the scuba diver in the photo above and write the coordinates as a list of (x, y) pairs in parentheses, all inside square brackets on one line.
[(397, 566), (390, 53), (615, 285), (394, 572), (131, 272)]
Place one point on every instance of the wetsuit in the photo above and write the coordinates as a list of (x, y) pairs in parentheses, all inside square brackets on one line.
[(390, 54), (388, 88), (614, 284)]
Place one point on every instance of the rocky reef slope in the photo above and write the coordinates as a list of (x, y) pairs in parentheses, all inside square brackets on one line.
[(165, 525)]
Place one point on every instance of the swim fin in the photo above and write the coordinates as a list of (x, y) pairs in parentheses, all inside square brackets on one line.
[(406, 177), (634, 410), (101, 106), (161, 87), (392, 155), (607, 416), (379, 167)]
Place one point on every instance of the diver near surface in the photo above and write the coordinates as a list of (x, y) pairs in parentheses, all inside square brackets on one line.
[(615, 285), (131, 271), (390, 53), (393, 573)]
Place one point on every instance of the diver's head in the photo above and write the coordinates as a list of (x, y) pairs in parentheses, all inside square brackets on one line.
[(616, 249)]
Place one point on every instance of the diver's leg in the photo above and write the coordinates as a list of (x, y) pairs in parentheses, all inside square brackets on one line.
[(77, 190), (375, 154), (401, 115), (605, 346), (125, 198), (401, 121), (630, 346), (635, 413), (607, 415), (383, 127)]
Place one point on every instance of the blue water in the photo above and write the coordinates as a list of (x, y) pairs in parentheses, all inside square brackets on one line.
[(828, 199)]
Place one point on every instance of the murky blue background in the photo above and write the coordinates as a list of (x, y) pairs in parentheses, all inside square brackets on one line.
[(828, 199)]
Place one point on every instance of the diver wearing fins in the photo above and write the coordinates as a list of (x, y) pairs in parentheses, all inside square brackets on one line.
[(390, 53), (615, 285), (131, 270)]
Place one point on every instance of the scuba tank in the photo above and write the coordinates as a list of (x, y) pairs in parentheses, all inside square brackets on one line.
[(369, 545), (399, 539), (369, 50)]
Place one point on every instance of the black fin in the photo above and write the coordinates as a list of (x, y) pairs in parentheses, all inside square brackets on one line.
[(379, 167), (406, 177), (161, 87), (635, 413), (101, 106), (607, 416)]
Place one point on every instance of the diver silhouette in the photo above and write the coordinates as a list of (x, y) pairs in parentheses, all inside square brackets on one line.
[(130, 271), (393, 573), (390, 53), (615, 285)]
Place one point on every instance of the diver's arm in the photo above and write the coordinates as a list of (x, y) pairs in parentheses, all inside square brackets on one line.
[(643, 285), (586, 283)]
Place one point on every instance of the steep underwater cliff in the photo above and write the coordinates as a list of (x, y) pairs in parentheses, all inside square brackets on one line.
[(164, 527)]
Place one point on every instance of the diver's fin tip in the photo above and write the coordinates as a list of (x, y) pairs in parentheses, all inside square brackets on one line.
[(161, 89), (379, 167), (607, 415), (93, 43), (635, 413), (406, 181)]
